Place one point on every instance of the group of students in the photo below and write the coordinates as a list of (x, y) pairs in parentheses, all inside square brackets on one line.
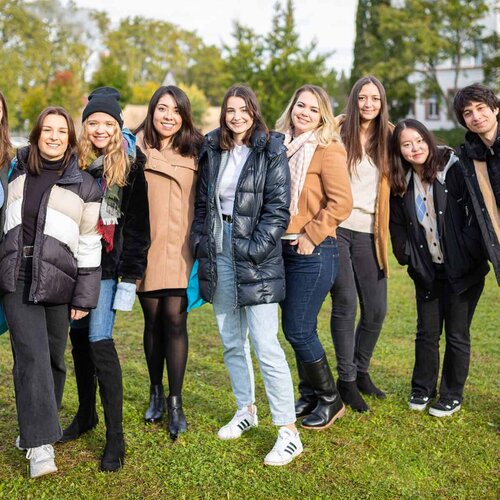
[(274, 219)]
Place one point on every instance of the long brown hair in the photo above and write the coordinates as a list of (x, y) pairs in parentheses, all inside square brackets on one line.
[(34, 162), (377, 143), (399, 166), (5, 144), (327, 131), (253, 108), (187, 141)]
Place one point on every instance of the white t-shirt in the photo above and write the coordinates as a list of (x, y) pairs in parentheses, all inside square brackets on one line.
[(229, 180)]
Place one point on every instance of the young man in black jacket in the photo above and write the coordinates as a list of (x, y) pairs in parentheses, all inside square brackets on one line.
[(477, 109)]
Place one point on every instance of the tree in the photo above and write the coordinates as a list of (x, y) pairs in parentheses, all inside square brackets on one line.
[(276, 64), (110, 73), (422, 35), (199, 103)]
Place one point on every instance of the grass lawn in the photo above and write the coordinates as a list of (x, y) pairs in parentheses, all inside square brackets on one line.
[(389, 452)]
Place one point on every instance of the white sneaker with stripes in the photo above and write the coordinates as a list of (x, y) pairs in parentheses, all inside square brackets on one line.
[(242, 421), (287, 447)]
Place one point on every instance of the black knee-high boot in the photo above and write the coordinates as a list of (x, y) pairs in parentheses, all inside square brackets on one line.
[(307, 400), (86, 416), (329, 406), (109, 375)]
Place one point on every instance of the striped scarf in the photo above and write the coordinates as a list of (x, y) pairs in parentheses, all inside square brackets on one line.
[(300, 152)]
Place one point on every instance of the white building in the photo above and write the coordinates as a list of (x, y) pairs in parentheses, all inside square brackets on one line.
[(431, 110)]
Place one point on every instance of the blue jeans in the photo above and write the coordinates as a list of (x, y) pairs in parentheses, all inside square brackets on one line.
[(309, 278), (261, 322), (100, 321)]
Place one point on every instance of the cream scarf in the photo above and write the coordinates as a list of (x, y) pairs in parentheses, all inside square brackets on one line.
[(300, 152)]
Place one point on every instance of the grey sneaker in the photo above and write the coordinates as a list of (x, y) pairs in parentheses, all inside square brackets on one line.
[(41, 460)]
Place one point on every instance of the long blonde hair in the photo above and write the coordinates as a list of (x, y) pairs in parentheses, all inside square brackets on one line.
[(116, 164), (327, 132)]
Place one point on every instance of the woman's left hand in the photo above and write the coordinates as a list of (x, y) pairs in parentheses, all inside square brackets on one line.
[(304, 245), (76, 314)]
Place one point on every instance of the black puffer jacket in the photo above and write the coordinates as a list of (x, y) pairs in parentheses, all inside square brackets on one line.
[(475, 149), (260, 217), (128, 258), (464, 256), (67, 248)]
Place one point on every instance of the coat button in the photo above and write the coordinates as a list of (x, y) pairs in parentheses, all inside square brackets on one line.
[(440, 213)]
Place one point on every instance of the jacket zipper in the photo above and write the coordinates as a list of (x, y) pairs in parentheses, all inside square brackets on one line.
[(40, 226)]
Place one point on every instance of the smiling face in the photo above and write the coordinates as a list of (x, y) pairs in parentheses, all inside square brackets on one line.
[(167, 120), (305, 113), (413, 147), (238, 118), (53, 140), (481, 119), (100, 129), (369, 102)]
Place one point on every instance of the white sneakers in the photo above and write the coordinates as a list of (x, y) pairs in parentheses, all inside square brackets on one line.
[(287, 447), (41, 460), (242, 421)]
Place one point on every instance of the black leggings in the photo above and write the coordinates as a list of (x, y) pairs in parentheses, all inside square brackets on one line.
[(165, 338)]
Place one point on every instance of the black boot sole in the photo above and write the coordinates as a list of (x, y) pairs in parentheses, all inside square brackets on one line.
[(338, 415)]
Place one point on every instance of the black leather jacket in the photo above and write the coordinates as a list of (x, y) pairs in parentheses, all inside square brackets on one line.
[(260, 217)]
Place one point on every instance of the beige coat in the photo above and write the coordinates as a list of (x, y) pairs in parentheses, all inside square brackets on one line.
[(171, 192)]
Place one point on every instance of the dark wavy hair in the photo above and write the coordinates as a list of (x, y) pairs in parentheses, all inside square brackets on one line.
[(34, 163), (188, 140), (5, 144), (253, 108), (377, 144), (477, 93), (436, 160)]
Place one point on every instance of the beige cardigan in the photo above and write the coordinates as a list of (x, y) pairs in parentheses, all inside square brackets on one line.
[(171, 182)]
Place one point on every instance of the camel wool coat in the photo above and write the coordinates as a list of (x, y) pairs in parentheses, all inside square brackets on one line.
[(171, 182)]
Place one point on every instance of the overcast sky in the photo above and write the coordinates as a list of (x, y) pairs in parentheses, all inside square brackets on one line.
[(330, 22)]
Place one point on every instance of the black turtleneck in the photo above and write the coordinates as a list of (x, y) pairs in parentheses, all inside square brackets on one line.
[(37, 185)]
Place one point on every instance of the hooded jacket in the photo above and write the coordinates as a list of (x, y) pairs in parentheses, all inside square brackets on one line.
[(260, 217), (67, 247), (464, 257)]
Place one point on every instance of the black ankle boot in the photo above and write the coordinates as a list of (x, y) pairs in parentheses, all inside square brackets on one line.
[(176, 419), (86, 416), (308, 400), (329, 406), (156, 408), (350, 395), (114, 453), (109, 375), (366, 386)]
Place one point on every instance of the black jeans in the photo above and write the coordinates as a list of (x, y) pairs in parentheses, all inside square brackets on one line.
[(359, 277), (455, 312), (38, 335)]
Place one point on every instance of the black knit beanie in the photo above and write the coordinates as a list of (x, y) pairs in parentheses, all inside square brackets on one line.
[(104, 100)]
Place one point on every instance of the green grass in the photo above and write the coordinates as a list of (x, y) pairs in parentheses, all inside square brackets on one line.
[(388, 453)]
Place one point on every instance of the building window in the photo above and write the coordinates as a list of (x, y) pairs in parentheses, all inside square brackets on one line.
[(432, 108)]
